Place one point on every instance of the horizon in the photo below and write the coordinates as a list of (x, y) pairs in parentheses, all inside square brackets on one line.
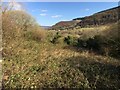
[(50, 13)]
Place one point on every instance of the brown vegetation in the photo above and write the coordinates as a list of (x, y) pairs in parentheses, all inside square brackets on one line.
[(30, 60)]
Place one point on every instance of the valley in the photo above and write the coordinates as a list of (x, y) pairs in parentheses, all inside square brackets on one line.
[(82, 53)]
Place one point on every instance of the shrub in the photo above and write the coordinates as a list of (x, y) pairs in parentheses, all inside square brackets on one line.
[(55, 38), (18, 20), (81, 43), (101, 45), (37, 35), (113, 40), (16, 23), (70, 40), (114, 47), (94, 43), (67, 40)]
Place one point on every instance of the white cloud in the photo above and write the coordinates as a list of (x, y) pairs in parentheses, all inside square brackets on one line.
[(41, 10), (44, 10), (43, 14), (56, 16), (87, 9)]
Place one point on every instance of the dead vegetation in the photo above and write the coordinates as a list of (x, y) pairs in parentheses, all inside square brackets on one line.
[(30, 60)]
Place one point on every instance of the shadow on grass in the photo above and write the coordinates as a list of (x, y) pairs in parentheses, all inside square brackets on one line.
[(73, 48), (99, 75)]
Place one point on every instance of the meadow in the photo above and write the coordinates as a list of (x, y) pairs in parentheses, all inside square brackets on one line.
[(38, 58)]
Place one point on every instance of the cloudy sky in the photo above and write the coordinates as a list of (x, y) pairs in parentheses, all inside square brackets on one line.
[(49, 13)]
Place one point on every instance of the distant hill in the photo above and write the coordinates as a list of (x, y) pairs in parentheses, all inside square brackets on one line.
[(65, 25), (45, 27), (101, 18)]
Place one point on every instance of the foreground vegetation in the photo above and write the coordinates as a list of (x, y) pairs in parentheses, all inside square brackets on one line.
[(35, 58)]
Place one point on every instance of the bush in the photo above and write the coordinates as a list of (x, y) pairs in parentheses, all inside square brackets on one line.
[(55, 38), (18, 20), (81, 43), (70, 40), (114, 47), (94, 43), (37, 35), (67, 40), (101, 45), (113, 40), (16, 23)]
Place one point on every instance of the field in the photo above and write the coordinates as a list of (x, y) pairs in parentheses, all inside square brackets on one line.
[(33, 63), (71, 57)]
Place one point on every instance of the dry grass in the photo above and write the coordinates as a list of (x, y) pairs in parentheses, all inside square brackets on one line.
[(30, 62), (86, 32), (35, 64), (37, 35)]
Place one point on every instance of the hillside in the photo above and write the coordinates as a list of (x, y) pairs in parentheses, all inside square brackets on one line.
[(100, 18), (65, 25)]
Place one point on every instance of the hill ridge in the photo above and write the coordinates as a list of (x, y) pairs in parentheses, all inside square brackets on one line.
[(100, 18)]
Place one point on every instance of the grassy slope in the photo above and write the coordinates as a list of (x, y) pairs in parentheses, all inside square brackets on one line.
[(29, 63)]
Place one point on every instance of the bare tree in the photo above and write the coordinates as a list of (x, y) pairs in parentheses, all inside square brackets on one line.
[(6, 7)]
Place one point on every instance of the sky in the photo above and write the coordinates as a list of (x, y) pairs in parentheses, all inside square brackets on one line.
[(49, 13)]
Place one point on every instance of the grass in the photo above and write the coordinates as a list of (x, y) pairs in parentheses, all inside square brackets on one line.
[(89, 32), (32, 63)]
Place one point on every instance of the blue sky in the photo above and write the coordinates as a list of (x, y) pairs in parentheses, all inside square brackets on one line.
[(49, 13)]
